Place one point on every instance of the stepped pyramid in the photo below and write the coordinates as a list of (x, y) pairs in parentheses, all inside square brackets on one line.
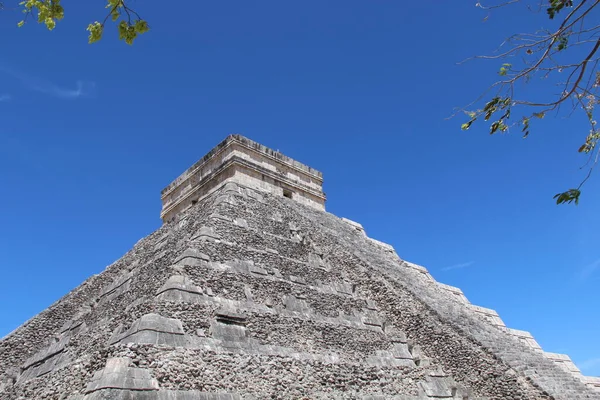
[(250, 290)]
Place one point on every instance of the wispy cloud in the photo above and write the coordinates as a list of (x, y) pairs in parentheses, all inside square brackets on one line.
[(589, 269), (458, 266), (82, 89), (36, 84), (589, 364), (4, 97)]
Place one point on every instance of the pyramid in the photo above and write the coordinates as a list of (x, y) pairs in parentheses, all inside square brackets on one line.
[(251, 290)]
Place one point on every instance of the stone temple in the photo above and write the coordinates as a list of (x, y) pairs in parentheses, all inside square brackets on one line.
[(251, 290)]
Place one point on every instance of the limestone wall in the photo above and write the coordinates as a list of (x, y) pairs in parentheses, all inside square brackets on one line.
[(249, 295), (493, 318), (254, 166)]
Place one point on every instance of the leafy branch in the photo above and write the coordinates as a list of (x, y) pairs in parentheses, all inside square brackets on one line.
[(541, 55), (49, 12)]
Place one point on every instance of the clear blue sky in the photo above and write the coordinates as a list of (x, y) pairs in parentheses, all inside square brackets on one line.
[(360, 90)]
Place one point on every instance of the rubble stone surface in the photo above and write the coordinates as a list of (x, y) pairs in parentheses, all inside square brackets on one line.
[(248, 294)]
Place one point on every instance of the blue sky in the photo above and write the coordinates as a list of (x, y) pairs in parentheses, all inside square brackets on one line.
[(90, 134)]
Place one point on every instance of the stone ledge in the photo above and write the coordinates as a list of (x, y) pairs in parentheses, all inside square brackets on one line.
[(419, 268), (355, 225), (455, 291), (387, 247), (524, 337), (593, 381), (493, 317), (117, 374), (152, 329)]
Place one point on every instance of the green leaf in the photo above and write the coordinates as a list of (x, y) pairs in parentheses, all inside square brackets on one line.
[(556, 6), (562, 43), (494, 127), (525, 129), (141, 26), (96, 29), (491, 103), (50, 23), (568, 197), (504, 69)]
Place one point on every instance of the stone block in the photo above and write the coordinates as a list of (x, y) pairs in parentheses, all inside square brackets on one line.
[(455, 291), (241, 223), (277, 273), (115, 289), (205, 233), (344, 288), (371, 305), (591, 381), (387, 359), (372, 319), (564, 361), (180, 283), (387, 247), (525, 338), (436, 387), (395, 336), (192, 257), (248, 294), (356, 226), (72, 327), (225, 199), (400, 350), (159, 323), (292, 303), (230, 316), (419, 268), (161, 241), (232, 187), (418, 356), (297, 279), (489, 314), (117, 374), (256, 195), (316, 261), (257, 270), (46, 359), (153, 329), (229, 325)]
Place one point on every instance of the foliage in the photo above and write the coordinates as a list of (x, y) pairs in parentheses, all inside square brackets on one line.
[(49, 12), (564, 56)]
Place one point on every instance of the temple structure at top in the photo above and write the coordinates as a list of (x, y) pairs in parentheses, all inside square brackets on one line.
[(247, 163)]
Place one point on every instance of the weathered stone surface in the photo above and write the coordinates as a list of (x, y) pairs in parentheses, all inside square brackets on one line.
[(206, 233), (47, 360), (118, 287), (179, 288), (153, 329), (247, 294), (436, 387), (191, 257), (242, 161), (117, 374), (115, 394)]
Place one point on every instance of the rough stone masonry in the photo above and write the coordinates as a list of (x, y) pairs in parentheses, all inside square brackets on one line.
[(250, 290)]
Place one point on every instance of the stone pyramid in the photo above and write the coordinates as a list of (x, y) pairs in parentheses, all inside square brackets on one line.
[(250, 290)]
